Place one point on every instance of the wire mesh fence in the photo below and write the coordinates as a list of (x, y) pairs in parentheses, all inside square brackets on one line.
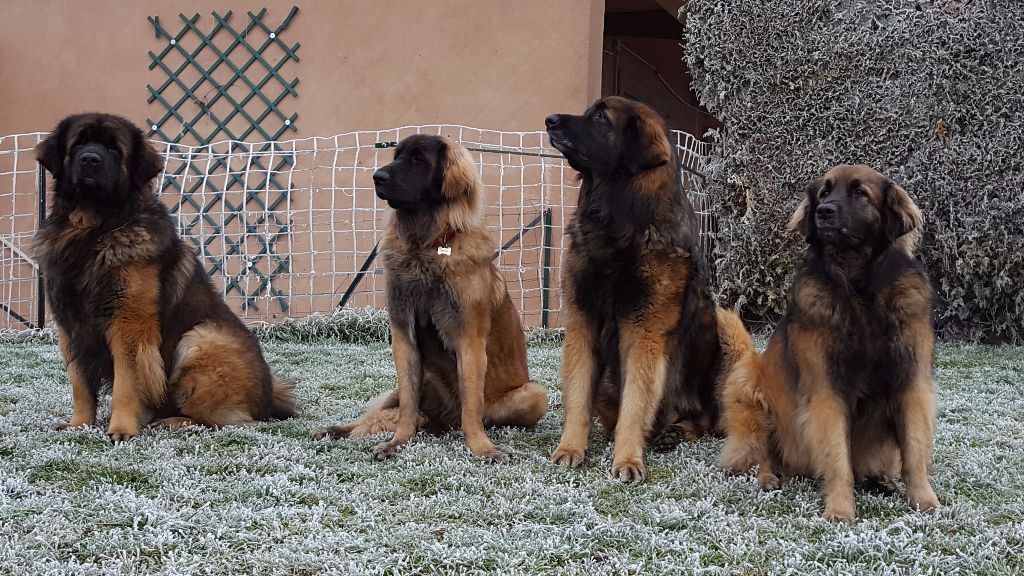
[(20, 293), (289, 228)]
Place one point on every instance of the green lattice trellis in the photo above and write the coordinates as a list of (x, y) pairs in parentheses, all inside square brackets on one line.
[(196, 75)]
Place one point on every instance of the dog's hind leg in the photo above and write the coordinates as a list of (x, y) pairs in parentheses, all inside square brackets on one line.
[(172, 423), (744, 417), (682, 430), (745, 422), (522, 407), (381, 416)]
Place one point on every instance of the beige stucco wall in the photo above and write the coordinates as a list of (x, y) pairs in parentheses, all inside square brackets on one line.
[(364, 64)]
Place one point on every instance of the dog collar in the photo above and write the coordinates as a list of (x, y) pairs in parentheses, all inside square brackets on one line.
[(442, 243)]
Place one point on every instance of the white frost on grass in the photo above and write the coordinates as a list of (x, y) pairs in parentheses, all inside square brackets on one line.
[(266, 500)]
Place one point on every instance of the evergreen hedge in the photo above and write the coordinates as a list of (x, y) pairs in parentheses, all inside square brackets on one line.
[(929, 93)]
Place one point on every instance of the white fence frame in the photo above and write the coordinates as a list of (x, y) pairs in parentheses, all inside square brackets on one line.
[(303, 212)]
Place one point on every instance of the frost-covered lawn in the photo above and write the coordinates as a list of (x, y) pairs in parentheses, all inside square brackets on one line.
[(266, 500)]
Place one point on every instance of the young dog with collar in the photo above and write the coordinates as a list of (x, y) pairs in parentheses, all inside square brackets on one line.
[(458, 345)]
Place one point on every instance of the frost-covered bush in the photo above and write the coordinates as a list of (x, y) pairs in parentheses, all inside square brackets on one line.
[(350, 325), (929, 93)]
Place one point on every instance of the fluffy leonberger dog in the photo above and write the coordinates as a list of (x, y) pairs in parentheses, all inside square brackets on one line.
[(641, 350), (844, 390), (458, 346), (134, 309)]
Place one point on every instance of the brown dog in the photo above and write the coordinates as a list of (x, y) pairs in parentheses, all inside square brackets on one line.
[(641, 340), (844, 390), (134, 309), (459, 349)]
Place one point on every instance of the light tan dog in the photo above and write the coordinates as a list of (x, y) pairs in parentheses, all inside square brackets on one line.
[(458, 345)]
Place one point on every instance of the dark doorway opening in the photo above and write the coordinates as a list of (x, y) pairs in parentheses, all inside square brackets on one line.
[(644, 59)]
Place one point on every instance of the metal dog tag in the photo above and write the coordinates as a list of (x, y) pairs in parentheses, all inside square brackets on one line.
[(444, 250)]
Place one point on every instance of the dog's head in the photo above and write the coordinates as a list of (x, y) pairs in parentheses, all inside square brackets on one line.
[(99, 158), (853, 206), (614, 135), (426, 173)]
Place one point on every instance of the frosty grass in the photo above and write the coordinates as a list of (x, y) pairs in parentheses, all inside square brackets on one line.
[(267, 500)]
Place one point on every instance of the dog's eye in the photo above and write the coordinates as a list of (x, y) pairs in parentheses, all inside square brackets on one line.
[(823, 192), (861, 192), (113, 150), (600, 115)]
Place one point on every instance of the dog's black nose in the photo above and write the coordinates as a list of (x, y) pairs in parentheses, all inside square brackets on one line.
[(826, 212), (552, 121), (90, 159), (380, 177)]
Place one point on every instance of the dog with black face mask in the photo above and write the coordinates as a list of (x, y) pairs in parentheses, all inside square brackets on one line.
[(458, 345), (845, 389), (135, 311)]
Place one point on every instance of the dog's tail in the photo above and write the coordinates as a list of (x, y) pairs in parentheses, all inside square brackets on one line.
[(282, 400), (737, 345), (741, 401)]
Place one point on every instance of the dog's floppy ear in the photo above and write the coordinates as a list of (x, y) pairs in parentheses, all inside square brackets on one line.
[(144, 163), (802, 219), (900, 216), (460, 187), (647, 145), (50, 153), (460, 176)]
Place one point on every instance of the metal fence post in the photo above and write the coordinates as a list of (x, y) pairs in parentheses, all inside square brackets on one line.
[(546, 269), (41, 183)]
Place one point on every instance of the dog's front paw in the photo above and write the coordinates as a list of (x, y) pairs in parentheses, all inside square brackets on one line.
[(73, 425), (675, 434), (882, 484), (768, 480), (840, 513), (330, 433), (495, 454), (570, 457), (668, 439), (926, 501), (386, 450), (121, 433), (629, 471)]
